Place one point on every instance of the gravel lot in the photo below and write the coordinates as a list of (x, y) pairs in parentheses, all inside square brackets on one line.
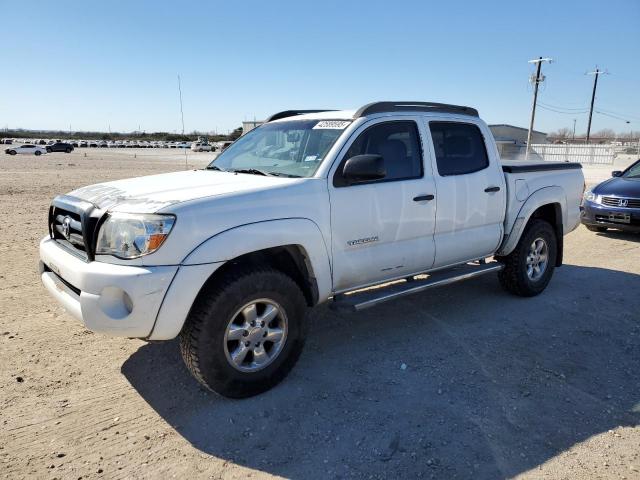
[(461, 382)]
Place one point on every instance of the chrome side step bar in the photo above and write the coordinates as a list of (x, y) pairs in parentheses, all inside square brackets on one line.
[(372, 296)]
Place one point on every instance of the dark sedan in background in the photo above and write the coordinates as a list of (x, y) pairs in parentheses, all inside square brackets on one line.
[(60, 147), (614, 203)]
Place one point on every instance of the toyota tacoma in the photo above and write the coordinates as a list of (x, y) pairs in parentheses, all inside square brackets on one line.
[(313, 206)]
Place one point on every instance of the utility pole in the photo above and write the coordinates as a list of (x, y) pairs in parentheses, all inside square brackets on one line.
[(596, 73), (538, 79), (574, 129)]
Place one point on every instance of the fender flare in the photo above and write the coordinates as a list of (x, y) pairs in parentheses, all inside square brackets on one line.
[(539, 198), (203, 261), (248, 238)]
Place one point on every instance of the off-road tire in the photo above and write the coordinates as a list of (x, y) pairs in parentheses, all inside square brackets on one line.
[(513, 277), (202, 337), (593, 228)]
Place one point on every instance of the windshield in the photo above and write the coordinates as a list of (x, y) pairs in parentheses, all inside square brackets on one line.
[(293, 148), (633, 171)]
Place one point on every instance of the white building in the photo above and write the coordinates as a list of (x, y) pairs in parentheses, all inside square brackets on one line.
[(247, 126)]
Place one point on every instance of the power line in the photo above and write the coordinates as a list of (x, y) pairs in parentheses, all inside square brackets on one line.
[(617, 113), (612, 116), (571, 109), (574, 111), (559, 111)]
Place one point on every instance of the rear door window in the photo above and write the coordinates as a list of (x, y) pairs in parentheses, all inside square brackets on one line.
[(459, 148)]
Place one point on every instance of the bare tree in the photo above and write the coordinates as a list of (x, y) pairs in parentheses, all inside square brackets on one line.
[(561, 133), (605, 133)]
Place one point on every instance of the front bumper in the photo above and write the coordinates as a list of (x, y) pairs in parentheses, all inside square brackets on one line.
[(597, 215), (119, 300)]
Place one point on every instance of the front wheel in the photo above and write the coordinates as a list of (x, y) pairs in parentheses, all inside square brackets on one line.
[(528, 269), (68, 150), (245, 332), (12, 152), (38, 153)]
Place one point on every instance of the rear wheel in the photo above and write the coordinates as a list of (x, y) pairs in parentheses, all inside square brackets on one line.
[(593, 228), (528, 269), (245, 332), (38, 153), (68, 150)]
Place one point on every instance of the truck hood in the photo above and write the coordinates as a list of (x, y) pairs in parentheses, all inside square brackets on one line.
[(154, 192)]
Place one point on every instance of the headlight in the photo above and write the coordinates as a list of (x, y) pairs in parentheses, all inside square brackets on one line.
[(590, 196), (127, 236)]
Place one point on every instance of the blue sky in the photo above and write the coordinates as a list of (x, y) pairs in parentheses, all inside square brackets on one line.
[(92, 65)]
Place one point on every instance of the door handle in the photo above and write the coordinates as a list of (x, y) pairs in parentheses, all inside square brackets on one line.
[(421, 198), (492, 189)]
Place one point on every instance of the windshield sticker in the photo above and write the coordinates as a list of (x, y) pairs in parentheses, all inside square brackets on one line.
[(332, 124)]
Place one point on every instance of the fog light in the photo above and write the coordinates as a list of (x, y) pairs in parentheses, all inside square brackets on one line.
[(115, 303)]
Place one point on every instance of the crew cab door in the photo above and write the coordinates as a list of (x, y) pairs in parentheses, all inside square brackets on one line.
[(383, 229), (471, 191)]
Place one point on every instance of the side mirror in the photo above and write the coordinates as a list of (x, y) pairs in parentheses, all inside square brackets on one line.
[(616, 173), (364, 168)]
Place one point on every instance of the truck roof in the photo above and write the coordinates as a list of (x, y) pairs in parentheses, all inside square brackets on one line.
[(373, 108)]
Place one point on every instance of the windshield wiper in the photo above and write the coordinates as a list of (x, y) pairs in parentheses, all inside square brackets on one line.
[(214, 167), (288, 175), (252, 171)]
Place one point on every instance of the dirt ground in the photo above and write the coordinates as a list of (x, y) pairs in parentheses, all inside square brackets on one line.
[(460, 382)]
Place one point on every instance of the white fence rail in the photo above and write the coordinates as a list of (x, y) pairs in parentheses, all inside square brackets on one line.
[(587, 154)]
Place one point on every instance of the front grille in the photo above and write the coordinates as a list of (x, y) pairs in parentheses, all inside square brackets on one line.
[(616, 202), (72, 223), (67, 228)]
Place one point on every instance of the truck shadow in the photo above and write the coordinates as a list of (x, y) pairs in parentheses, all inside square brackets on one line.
[(466, 381)]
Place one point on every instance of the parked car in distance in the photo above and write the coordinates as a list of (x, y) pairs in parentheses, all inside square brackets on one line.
[(614, 203), (83, 144), (93, 144), (7, 141), (60, 147), (201, 147), (310, 207), (222, 146), (27, 149)]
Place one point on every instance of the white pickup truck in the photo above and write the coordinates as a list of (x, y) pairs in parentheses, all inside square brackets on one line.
[(310, 207)]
